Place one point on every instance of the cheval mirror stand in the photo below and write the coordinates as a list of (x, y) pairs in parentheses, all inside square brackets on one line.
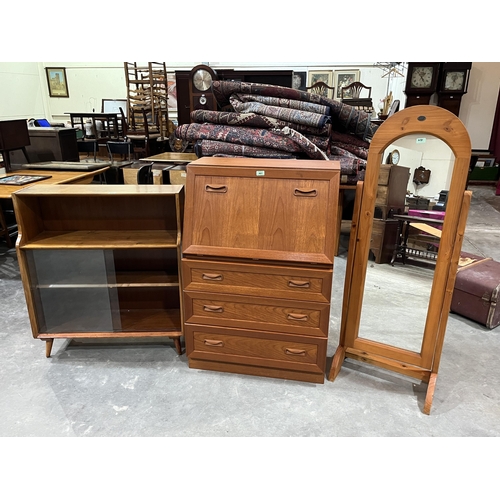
[(422, 365)]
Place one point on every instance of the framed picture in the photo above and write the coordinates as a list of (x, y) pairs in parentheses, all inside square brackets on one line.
[(342, 78), (299, 80), (171, 91), (21, 180), (56, 80), (325, 76)]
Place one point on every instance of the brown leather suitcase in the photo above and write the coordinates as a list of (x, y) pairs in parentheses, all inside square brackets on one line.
[(476, 292)]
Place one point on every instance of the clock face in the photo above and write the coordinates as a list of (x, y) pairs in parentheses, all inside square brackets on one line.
[(421, 77), (202, 80), (394, 157), (454, 80)]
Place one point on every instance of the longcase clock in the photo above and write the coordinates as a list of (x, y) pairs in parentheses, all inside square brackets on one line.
[(200, 88), (452, 85), (421, 82)]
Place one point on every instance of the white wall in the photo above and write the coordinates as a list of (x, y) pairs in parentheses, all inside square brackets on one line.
[(477, 111), (24, 92)]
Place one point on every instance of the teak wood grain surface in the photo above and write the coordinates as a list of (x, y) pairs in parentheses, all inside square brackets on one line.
[(258, 249), (100, 261)]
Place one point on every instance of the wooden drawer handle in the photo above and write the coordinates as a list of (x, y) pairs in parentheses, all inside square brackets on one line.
[(299, 284), (212, 277), (297, 317), (214, 309), (305, 192), (214, 343), (295, 352), (216, 188)]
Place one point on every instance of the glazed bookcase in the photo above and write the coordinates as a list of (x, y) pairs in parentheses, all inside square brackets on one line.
[(101, 262)]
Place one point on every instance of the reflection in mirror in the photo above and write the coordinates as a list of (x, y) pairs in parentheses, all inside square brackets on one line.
[(403, 250)]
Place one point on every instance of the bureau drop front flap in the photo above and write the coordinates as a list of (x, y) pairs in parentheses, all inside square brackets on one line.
[(258, 247)]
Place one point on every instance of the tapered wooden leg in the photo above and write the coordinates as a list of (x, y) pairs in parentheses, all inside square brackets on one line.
[(338, 359), (48, 347), (177, 342), (430, 393)]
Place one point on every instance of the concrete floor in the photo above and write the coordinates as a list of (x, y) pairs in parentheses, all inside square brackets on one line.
[(150, 391)]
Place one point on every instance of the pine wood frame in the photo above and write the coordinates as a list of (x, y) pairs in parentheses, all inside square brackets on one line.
[(422, 365)]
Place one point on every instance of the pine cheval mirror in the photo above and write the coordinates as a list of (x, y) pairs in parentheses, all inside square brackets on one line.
[(418, 359)]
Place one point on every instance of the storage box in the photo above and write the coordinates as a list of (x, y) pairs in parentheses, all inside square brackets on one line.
[(417, 202), (484, 174), (178, 174), (476, 292)]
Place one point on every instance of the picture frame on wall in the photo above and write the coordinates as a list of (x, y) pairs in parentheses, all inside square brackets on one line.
[(325, 76), (171, 91), (57, 82), (342, 78), (299, 80)]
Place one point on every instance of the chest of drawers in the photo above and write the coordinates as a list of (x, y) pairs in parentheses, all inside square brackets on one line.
[(257, 266)]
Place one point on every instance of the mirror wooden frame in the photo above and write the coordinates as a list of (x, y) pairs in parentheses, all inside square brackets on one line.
[(422, 365)]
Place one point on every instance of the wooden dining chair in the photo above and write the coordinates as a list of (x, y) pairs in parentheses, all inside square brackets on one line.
[(141, 130), (321, 88)]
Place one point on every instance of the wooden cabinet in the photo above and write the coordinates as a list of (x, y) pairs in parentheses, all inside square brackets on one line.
[(390, 201), (48, 144), (391, 191), (98, 262), (384, 239), (257, 265)]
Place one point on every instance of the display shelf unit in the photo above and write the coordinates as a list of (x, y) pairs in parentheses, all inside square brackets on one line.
[(257, 265), (100, 261)]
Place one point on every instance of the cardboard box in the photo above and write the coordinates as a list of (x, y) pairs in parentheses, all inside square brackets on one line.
[(178, 174), (130, 175)]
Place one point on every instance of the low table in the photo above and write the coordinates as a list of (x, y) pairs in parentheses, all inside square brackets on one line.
[(175, 158), (431, 235), (68, 166)]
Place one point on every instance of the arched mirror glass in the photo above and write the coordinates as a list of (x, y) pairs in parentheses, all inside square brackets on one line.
[(403, 250)]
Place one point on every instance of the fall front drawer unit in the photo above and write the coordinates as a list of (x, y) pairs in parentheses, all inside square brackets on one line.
[(257, 266)]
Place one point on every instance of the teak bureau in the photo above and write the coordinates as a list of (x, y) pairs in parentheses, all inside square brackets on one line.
[(258, 247)]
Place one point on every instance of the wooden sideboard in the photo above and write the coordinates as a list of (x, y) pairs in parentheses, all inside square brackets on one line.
[(48, 144), (257, 266)]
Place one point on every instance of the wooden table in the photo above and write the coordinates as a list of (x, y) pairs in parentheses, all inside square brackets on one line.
[(161, 162), (176, 158), (110, 125), (56, 177), (430, 236)]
